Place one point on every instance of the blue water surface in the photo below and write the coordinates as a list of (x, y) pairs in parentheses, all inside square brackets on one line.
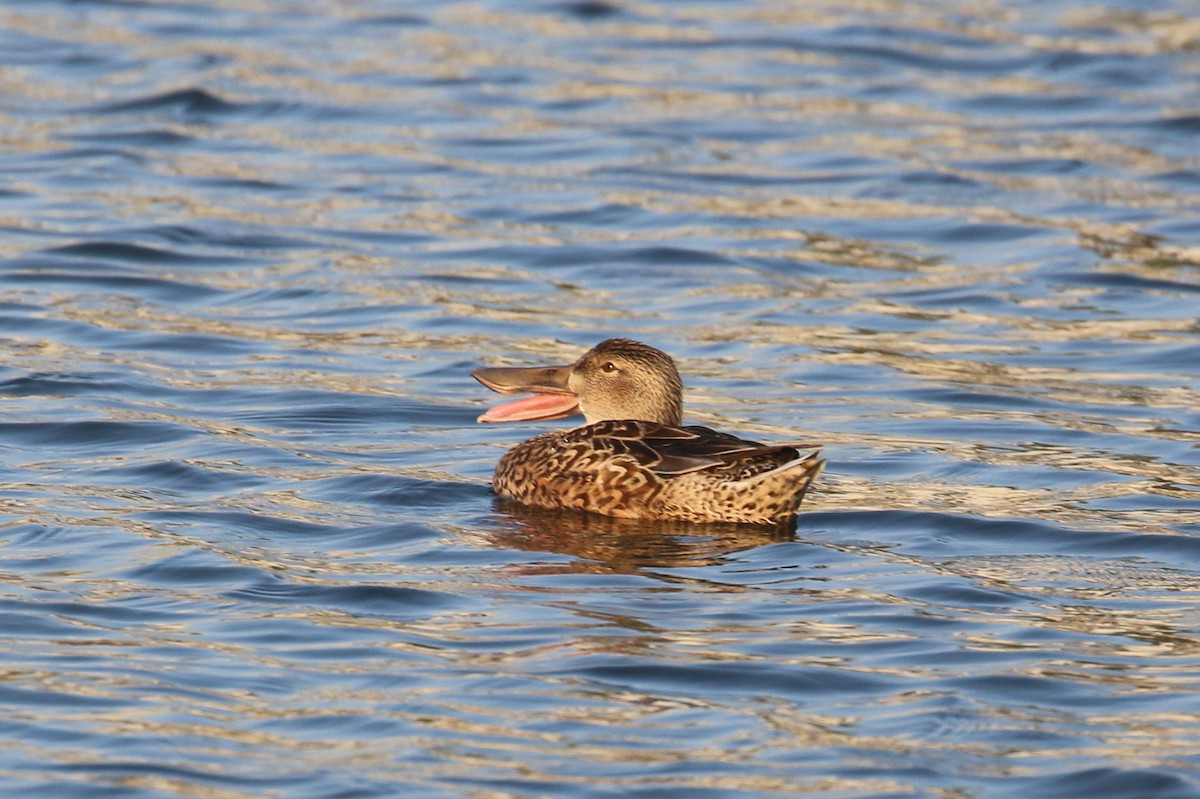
[(250, 253)]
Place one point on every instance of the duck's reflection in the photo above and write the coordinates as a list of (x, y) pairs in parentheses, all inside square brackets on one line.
[(604, 543)]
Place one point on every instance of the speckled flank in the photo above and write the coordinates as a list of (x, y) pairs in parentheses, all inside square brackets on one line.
[(645, 470)]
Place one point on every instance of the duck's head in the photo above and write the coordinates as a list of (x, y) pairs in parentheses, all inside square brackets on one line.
[(616, 379)]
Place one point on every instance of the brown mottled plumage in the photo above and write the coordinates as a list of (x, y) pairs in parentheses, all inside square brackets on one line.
[(633, 459)]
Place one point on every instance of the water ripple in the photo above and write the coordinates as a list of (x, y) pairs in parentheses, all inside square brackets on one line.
[(250, 260)]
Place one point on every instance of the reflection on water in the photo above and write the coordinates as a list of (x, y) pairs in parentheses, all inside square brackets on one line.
[(252, 253), (628, 546)]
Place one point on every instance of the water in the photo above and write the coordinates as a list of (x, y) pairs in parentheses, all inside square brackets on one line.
[(251, 253)]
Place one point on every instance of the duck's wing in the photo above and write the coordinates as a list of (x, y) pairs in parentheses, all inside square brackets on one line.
[(670, 451)]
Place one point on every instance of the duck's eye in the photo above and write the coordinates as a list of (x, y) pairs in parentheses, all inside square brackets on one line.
[(609, 366)]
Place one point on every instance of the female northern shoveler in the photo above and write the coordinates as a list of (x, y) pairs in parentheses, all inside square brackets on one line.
[(634, 458)]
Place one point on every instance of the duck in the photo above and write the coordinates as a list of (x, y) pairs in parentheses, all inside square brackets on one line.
[(633, 457)]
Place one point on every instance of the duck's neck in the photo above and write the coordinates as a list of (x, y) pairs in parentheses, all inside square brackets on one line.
[(668, 414)]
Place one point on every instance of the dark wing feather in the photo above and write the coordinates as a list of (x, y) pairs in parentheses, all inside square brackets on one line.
[(705, 449), (667, 450)]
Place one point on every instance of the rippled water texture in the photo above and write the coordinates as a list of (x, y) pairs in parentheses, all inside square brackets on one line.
[(251, 252)]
